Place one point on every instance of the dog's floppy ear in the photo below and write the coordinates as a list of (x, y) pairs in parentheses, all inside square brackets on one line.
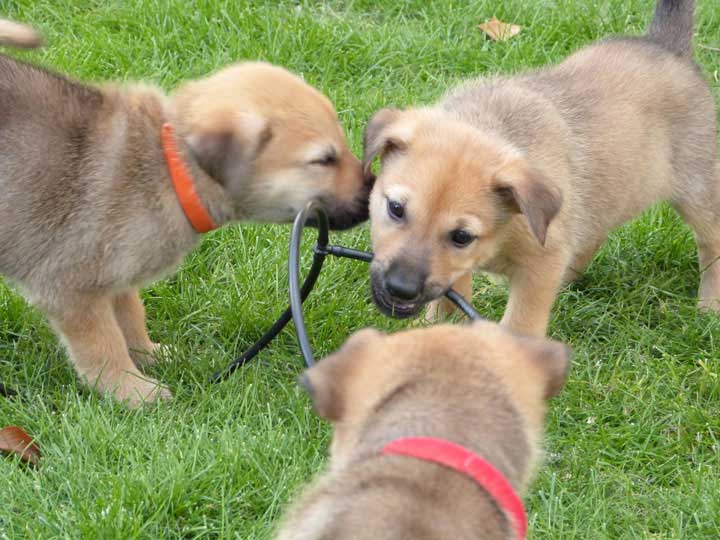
[(524, 189), (219, 147), (327, 381), (552, 358), (381, 138)]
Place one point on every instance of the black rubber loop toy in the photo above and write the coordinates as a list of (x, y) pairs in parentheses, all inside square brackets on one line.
[(298, 292)]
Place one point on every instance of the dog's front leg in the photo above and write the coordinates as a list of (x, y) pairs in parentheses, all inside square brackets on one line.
[(98, 350), (533, 288), (130, 315), (442, 307)]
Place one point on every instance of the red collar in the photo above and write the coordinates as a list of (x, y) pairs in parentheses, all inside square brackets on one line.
[(182, 181), (470, 464)]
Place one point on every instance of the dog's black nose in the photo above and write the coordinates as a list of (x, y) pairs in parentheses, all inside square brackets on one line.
[(404, 282)]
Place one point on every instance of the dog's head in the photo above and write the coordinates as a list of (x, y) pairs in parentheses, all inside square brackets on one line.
[(274, 142), (442, 204), (374, 375)]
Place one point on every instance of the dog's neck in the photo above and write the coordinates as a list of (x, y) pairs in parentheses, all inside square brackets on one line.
[(183, 183), (499, 441), (213, 197), (498, 436), (470, 465), (144, 110)]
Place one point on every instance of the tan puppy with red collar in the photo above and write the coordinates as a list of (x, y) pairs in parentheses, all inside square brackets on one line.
[(477, 386), (105, 188)]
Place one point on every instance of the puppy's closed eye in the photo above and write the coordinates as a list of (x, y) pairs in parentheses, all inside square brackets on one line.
[(328, 159)]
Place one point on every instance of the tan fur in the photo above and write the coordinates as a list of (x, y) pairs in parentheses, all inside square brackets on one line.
[(479, 386), (88, 213), (18, 35), (540, 167)]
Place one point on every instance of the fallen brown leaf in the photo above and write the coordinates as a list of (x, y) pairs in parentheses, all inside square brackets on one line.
[(498, 30), (14, 440)]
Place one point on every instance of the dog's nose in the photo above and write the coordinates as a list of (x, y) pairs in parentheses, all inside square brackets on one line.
[(404, 282)]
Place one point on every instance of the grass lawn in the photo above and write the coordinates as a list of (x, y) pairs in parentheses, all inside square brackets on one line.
[(633, 443)]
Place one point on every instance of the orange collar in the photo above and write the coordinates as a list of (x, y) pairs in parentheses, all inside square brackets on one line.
[(182, 181)]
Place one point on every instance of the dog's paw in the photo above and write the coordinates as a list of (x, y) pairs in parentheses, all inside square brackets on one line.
[(157, 352), (709, 305), (162, 351), (431, 312), (136, 390), (438, 310)]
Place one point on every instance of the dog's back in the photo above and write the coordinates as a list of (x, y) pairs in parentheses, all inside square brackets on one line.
[(632, 115), (42, 114), (396, 498)]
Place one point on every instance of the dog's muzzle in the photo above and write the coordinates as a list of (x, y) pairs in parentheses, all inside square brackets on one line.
[(399, 291), (348, 215)]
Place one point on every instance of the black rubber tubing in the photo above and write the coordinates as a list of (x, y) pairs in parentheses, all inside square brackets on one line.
[(299, 293)]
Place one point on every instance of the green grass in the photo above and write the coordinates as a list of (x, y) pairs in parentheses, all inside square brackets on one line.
[(633, 443)]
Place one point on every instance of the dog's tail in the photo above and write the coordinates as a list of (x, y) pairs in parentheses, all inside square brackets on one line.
[(19, 35), (672, 26)]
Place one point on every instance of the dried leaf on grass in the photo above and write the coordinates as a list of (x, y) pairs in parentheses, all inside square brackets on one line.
[(498, 30), (13, 440)]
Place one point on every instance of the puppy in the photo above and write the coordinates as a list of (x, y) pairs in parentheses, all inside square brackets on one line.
[(525, 176), (105, 188), (477, 386)]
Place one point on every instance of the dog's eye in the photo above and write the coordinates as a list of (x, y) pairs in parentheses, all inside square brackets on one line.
[(325, 161), (461, 238), (396, 210)]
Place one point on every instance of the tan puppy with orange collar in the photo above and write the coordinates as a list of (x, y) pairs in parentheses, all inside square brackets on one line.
[(96, 202), (478, 386)]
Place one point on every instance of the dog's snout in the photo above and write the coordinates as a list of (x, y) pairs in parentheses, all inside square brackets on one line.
[(343, 215), (404, 282), (369, 181)]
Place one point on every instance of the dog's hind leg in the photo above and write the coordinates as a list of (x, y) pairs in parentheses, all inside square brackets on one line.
[(130, 315), (581, 261), (701, 211), (98, 350)]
